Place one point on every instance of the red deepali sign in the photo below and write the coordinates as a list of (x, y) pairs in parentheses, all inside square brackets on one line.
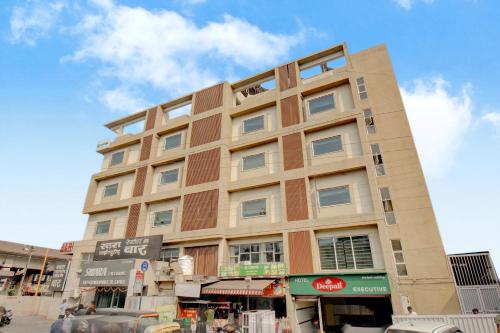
[(329, 284)]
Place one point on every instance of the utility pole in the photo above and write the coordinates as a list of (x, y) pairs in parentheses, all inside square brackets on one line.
[(29, 249), (41, 272)]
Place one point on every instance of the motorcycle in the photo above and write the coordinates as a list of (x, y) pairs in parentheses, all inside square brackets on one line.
[(6, 318)]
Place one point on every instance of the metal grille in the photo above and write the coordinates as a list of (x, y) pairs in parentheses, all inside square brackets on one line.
[(475, 269)]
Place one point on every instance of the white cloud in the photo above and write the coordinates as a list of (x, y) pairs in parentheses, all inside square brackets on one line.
[(34, 21), (191, 2), (122, 100), (494, 119), (407, 4), (439, 121)]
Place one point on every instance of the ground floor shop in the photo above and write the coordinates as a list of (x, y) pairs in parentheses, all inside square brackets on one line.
[(330, 302)]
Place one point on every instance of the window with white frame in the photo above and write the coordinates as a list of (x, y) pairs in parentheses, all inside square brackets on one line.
[(387, 204), (334, 196), (321, 104), (162, 218), (254, 208), (332, 144), (363, 94), (377, 159), (116, 158), (347, 252), (369, 121), (173, 141), (102, 227), (399, 258), (255, 161), (253, 124), (110, 190), (86, 258), (169, 176), (255, 253), (168, 254)]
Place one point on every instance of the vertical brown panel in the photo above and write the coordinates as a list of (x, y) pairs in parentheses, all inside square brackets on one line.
[(200, 210), (300, 252), (140, 180), (205, 259), (150, 120), (133, 220), (146, 147), (208, 99), (292, 151), (287, 76), (290, 111), (296, 199), (292, 75), (203, 167), (206, 130)]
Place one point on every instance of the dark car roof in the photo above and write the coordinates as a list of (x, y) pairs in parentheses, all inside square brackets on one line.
[(123, 312)]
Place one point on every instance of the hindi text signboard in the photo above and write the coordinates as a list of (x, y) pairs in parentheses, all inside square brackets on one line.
[(59, 276), (267, 269), (130, 248)]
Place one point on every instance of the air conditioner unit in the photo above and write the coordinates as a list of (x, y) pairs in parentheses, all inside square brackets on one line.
[(103, 144)]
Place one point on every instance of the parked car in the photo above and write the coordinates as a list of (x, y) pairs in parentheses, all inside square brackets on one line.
[(423, 327)]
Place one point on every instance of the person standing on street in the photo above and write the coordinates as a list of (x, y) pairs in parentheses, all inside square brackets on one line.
[(410, 311), (62, 308)]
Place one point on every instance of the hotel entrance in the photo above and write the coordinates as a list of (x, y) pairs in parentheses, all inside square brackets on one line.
[(110, 297)]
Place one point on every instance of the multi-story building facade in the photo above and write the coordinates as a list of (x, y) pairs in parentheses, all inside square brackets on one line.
[(307, 173)]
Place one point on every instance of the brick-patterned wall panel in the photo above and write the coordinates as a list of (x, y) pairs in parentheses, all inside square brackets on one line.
[(205, 259), (150, 119), (292, 151), (146, 147), (203, 167), (296, 199), (290, 111), (287, 77), (208, 99), (140, 181), (200, 210), (300, 250), (206, 130), (133, 220)]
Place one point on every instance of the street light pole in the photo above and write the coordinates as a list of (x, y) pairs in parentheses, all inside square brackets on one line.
[(28, 249), (248, 279)]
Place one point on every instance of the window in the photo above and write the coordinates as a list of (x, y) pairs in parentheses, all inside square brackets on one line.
[(102, 227), (399, 259), (162, 218), (169, 254), (268, 252), (387, 204), (369, 121), (328, 145), (253, 124), (254, 161), (361, 88), (377, 160), (334, 196), (320, 104), (110, 190), (169, 176), (173, 141), (254, 208), (117, 158), (351, 252)]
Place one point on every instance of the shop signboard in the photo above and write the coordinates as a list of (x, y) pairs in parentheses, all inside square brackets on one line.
[(139, 281), (112, 273), (349, 284), (266, 269), (166, 312), (139, 248), (59, 276)]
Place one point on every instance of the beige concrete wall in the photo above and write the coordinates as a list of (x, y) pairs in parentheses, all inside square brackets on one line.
[(157, 187), (272, 162), (131, 156), (160, 151), (118, 220), (270, 123), (343, 103), (44, 306), (162, 206), (125, 187)]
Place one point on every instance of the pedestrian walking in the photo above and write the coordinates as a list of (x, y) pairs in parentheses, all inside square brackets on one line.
[(62, 308)]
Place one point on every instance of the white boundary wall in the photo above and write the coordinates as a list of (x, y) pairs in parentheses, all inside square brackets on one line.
[(480, 323), (31, 305)]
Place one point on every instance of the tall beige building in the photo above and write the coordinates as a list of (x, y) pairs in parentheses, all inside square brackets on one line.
[(304, 178)]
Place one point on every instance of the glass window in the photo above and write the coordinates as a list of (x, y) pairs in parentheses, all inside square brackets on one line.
[(162, 218), (361, 88), (117, 158), (253, 124), (387, 204), (173, 141), (102, 227), (254, 208), (327, 145), (169, 176), (369, 121), (169, 254), (321, 104), (350, 252), (254, 161), (268, 252), (399, 259), (327, 256), (377, 159), (334, 196), (110, 190)]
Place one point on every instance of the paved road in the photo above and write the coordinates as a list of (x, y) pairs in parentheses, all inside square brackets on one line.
[(27, 324)]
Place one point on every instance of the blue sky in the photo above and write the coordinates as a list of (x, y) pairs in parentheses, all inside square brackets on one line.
[(67, 67)]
